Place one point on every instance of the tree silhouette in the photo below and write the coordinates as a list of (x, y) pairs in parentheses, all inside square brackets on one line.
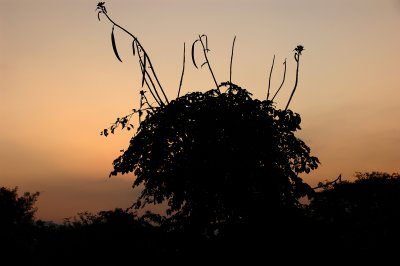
[(16, 210), (219, 159), (360, 217), (105, 238), (16, 224), (226, 165)]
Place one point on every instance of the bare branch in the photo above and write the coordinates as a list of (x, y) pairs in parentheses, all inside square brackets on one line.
[(183, 70), (297, 54), (230, 67), (140, 48), (270, 74), (283, 81), (338, 180), (145, 73), (205, 50)]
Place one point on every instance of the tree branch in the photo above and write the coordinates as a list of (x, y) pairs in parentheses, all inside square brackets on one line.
[(297, 54), (283, 81), (230, 67), (205, 50), (270, 74), (183, 70), (144, 52)]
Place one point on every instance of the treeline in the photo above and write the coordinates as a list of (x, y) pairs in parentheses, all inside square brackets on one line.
[(359, 219)]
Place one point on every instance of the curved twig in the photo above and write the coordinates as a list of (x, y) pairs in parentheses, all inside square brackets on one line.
[(205, 50)]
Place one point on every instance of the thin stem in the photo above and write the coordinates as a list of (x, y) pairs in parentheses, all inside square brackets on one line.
[(141, 63), (141, 100), (141, 47), (230, 68), (152, 94), (283, 81), (147, 101), (270, 74), (183, 70), (141, 105), (208, 62), (297, 58)]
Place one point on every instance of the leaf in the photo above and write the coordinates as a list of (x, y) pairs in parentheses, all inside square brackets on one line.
[(98, 15), (133, 47), (194, 61), (114, 45), (144, 70)]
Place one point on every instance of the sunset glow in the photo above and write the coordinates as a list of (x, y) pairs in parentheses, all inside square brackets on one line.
[(60, 84)]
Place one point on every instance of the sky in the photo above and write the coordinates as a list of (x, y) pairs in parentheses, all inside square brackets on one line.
[(60, 84)]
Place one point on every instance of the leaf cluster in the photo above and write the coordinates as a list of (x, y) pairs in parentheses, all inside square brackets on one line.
[(16, 210), (218, 158), (359, 218)]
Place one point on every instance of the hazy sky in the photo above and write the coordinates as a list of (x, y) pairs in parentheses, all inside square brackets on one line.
[(60, 84)]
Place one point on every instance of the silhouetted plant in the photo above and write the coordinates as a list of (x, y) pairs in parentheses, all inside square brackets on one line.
[(16, 225), (359, 216), (203, 150), (298, 50), (204, 44), (105, 238), (220, 160), (16, 210), (153, 85)]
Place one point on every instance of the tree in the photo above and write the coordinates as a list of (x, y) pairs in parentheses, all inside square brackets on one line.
[(360, 216), (16, 225), (220, 160), (16, 210)]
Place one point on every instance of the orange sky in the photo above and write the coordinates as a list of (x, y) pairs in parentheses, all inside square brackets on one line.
[(60, 84)]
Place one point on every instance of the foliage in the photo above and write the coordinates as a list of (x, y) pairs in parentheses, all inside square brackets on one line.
[(16, 210), (199, 152), (218, 158), (152, 85), (368, 193), (16, 224), (105, 238), (362, 215)]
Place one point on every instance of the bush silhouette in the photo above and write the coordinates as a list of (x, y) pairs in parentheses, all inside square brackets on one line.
[(361, 217)]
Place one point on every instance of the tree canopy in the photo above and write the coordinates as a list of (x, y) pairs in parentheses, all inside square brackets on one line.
[(225, 165), (16, 224), (219, 159), (14, 209), (360, 216)]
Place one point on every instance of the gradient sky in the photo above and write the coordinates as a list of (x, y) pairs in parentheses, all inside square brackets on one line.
[(60, 84)]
